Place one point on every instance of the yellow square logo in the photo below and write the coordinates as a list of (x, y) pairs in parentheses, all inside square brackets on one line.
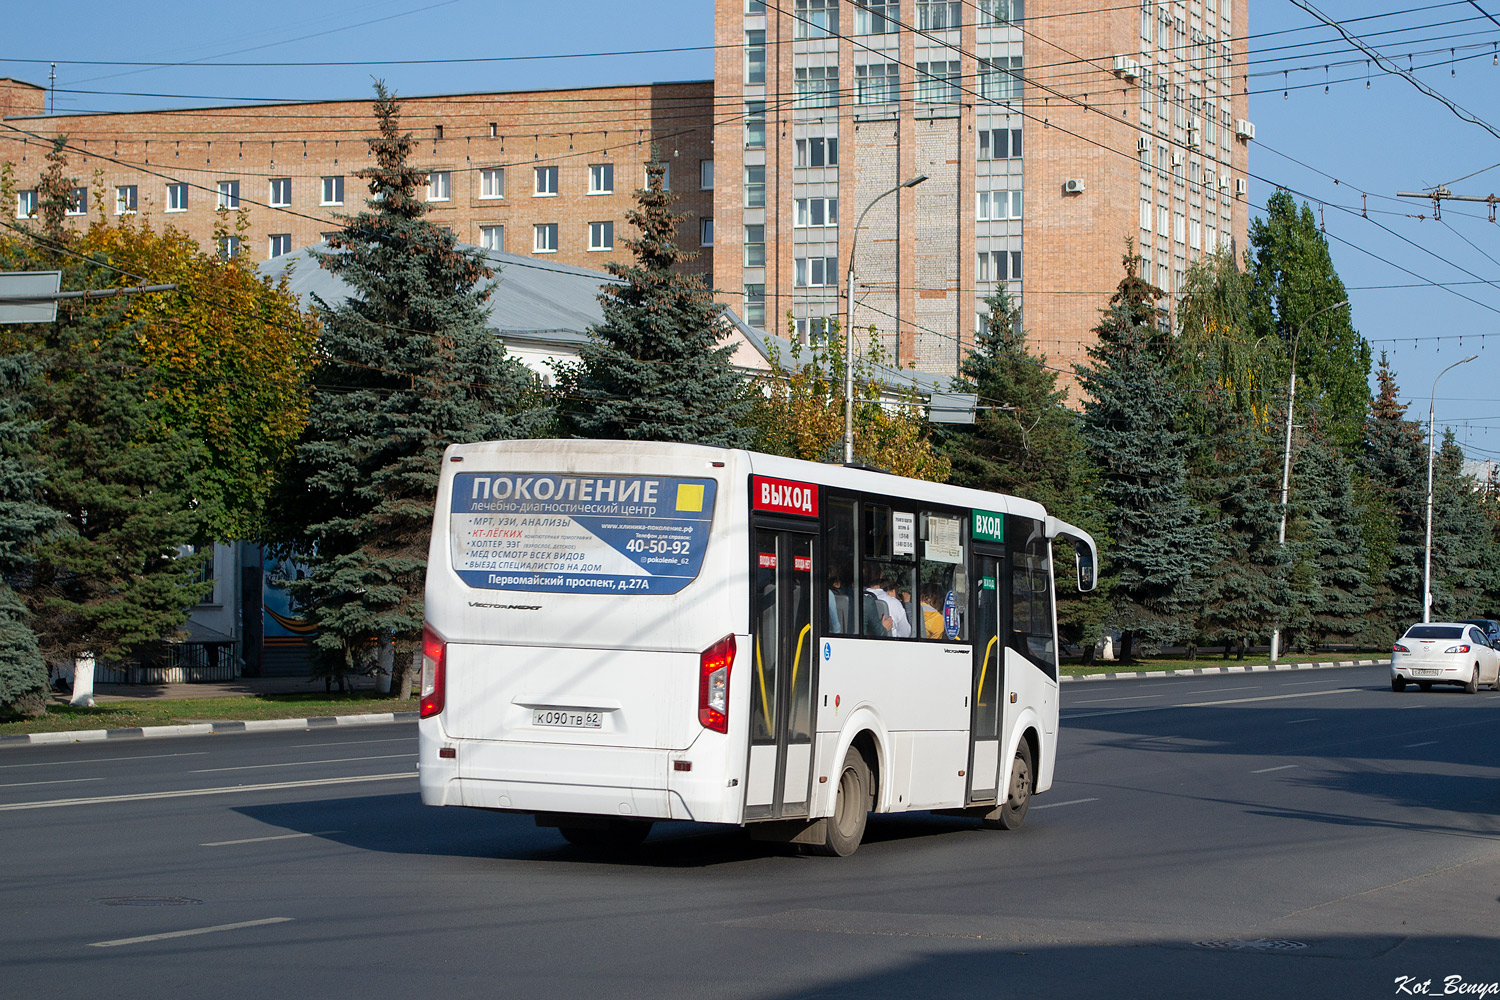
[(690, 497)]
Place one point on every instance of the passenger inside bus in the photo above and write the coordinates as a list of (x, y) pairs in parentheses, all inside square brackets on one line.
[(876, 612)]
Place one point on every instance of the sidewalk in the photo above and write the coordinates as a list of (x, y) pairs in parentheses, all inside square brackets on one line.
[(216, 689)]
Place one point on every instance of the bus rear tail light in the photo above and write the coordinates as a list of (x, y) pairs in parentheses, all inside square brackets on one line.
[(434, 656), (714, 665)]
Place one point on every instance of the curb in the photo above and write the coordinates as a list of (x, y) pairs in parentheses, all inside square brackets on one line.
[(206, 729), (1130, 675)]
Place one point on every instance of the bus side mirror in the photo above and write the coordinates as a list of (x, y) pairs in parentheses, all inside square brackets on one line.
[(1084, 557)]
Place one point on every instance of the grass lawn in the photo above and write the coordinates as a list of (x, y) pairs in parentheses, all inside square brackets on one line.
[(154, 712), (1214, 660)]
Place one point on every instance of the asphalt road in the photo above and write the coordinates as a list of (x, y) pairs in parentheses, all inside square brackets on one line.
[(1302, 835)]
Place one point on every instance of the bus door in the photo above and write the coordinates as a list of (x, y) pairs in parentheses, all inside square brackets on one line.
[(985, 712), (781, 681)]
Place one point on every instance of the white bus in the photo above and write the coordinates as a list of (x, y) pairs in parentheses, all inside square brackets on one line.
[(620, 633)]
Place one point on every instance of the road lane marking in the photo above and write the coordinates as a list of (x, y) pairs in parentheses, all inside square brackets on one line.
[(1294, 722), (1283, 767), (58, 781), (1292, 684), (300, 763), (1100, 701), (103, 760), (340, 743), (1426, 744), (190, 933), (262, 840), (1070, 802), (1265, 697), (187, 793)]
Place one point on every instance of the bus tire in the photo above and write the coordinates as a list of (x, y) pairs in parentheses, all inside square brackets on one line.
[(843, 831), (1011, 814), (615, 835)]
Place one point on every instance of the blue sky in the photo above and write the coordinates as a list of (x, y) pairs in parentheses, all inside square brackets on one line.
[(1426, 291)]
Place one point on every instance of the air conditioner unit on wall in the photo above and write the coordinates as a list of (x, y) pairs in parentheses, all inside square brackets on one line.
[(1127, 67), (1073, 186), (1241, 186), (1244, 129), (1142, 144)]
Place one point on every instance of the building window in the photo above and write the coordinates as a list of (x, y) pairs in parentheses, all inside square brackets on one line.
[(755, 124), (492, 182), (492, 237), (281, 191), (229, 195), (546, 182), (816, 19), (281, 244), (817, 86), (755, 246), (819, 151), (937, 82), (938, 15), (78, 201), (439, 185), (998, 205), (755, 187), (877, 17), (877, 83), (333, 191), (666, 175), (125, 199), (998, 265), (816, 272), (755, 58), (1000, 79), (706, 232), (544, 238), (26, 204), (177, 197), (1012, 11), (601, 178), (601, 235), (816, 212), (999, 143), (705, 175), (755, 305), (228, 246), (755, 6)]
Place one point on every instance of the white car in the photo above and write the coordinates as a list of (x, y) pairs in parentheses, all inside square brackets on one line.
[(1444, 653)]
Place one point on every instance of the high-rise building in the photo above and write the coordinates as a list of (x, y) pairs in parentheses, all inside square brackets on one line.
[(1053, 134)]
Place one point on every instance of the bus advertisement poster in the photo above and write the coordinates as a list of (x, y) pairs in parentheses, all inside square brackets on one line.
[(579, 533)]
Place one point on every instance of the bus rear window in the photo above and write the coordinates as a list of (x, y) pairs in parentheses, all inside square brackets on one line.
[(579, 533)]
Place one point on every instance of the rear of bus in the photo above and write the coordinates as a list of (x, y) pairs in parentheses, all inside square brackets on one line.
[(585, 609)]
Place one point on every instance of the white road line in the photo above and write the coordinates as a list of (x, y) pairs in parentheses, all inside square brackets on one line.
[(340, 743), (190, 933), (188, 793), (1295, 722), (58, 781), (103, 760), (1265, 697), (262, 840), (299, 763), (1246, 687), (1426, 744), (1100, 701), (1070, 802), (1283, 767), (1292, 684)]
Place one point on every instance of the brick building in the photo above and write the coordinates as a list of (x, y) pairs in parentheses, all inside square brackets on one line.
[(1049, 131), (549, 173)]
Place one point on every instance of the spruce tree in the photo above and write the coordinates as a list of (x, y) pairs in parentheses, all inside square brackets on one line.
[(1331, 589), (654, 369), (408, 365), (1394, 462), (1463, 561), (1132, 430)]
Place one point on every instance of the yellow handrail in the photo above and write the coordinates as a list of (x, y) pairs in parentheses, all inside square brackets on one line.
[(765, 705), (984, 669), (797, 660)]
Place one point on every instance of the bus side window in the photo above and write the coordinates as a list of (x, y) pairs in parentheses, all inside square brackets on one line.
[(841, 607), (1031, 593), (940, 583)]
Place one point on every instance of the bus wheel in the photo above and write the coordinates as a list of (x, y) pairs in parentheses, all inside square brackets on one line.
[(1018, 796), (616, 835), (846, 827)]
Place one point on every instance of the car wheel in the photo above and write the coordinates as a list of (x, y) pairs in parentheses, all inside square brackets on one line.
[(1473, 686), (1398, 683), (851, 808), (1012, 813)]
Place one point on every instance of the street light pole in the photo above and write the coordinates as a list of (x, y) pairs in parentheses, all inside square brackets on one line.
[(849, 320), (1286, 464), (1427, 552)]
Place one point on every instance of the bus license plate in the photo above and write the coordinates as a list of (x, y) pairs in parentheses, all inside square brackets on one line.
[(562, 718)]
